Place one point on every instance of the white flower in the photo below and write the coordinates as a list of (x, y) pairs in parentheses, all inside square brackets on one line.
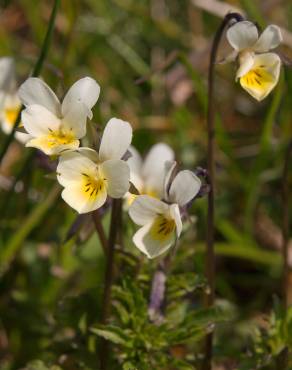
[(89, 177), (148, 176), (161, 220), (56, 127), (258, 70), (9, 101)]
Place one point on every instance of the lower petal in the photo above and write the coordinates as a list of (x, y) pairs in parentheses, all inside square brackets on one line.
[(263, 76), (155, 238), (52, 147), (84, 201)]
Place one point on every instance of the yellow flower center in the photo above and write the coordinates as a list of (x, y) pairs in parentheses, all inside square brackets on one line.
[(258, 78), (162, 228), (56, 138), (93, 185), (145, 191)]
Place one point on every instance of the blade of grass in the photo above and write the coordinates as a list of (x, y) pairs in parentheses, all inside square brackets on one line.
[(13, 245)]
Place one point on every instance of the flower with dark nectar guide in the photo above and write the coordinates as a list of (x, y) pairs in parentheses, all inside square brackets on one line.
[(54, 127), (259, 69), (161, 219), (89, 177)]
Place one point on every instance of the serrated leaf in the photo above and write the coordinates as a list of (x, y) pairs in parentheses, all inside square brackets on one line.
[(112, 333)]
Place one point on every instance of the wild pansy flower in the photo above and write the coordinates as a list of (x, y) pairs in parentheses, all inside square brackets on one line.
[(148, 175), (258, 70), (89, 177), (56, 127), (9, 100), (161, 219)]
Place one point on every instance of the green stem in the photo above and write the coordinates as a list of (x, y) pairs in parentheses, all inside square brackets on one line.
[(210, 254), (100, 230), (35, 73)]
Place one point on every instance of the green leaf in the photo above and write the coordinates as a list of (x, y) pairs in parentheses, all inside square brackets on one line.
[(112, 333)]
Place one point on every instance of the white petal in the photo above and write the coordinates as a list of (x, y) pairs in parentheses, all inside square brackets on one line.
[(175, 214), (71, 166), (117, 174), (144, 209), (89, 153), (184, 187), (242, 35), (36, 91), (263, 76), (75, 197), (85, 91), (116, 139), (38, 121), (135, 161), (22, 137), (269, 39), (169, 169), (75, 119), (246, 61), (150, 246), (153, 170)]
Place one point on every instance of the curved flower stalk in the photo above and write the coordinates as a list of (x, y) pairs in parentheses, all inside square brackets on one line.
[(9, 101), (54, 127), (161, 220), (89, 177), (148, 175), (259, 70)]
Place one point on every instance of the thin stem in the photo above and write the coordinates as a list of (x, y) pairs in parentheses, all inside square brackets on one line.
[(108, 279), (210, 255), (100, 230), (285, 226), (35, 73)]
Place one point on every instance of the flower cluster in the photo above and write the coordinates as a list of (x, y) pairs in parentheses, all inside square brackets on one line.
[(89, 177)]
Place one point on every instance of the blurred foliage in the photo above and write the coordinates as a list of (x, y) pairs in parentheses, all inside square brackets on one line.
[(51, 262)]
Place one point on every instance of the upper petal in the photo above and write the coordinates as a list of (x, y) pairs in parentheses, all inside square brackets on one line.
[(145, 208), (117, 174), (153, 170), (86, 91), (269, 39), (75, 119), (184, 187), (116, 139), (242, 35), (36, 91), (38, 121)]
